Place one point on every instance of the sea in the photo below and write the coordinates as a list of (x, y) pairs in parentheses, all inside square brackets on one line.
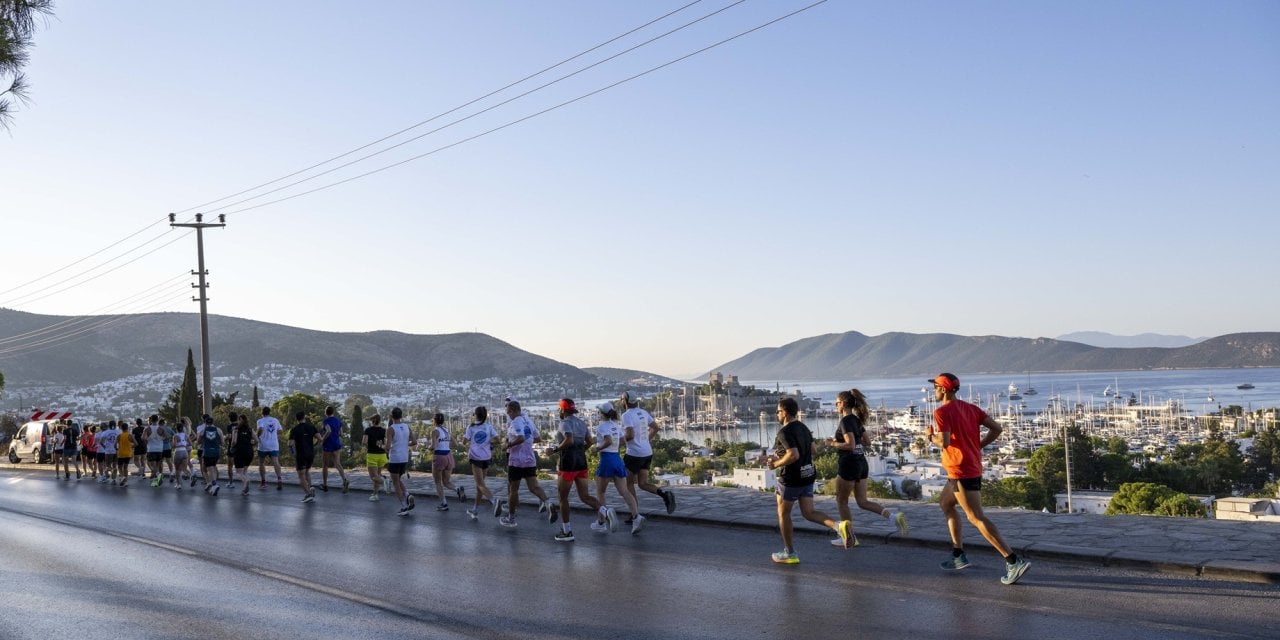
[(1199, 391)]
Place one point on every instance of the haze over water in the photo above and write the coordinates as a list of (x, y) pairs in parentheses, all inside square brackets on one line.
[(1191, 387)]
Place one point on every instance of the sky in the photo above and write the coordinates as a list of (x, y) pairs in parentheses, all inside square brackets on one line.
[(981, 168)]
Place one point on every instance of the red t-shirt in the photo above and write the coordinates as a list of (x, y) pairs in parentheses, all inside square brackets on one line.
[(963, 458)]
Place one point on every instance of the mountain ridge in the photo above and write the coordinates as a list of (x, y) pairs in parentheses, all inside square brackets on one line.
[(852, 354)]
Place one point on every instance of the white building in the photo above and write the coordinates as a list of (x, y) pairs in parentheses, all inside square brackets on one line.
[(1250, 509), (758, 478), (670, 479)]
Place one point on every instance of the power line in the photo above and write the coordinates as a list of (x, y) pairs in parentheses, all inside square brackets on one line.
[(72, 321), (530, 116), (91, 279), (478, 113), (442, 114), (54, 341), (72, 264)]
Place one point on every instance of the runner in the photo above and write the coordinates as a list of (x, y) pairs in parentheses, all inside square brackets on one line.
[(87, 451), (638, 428), (269, 448), (105, 442), (209, 438), (168, 447), (400, 442), (70, 450), (304, 437), (57, 444), (522, 464), (956, 429), (479, 440), (124, 452), (331, 454), (608, 435), (180, 447), (154, 435), (139, 447), (441, 444), (792, 462), (851, 440), (243, 444), (233, 422), (573, 472), (375, 456)]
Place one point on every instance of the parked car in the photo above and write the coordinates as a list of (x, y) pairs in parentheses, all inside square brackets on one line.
[(32, 441)]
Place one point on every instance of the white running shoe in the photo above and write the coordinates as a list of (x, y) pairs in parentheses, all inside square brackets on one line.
[(637, 523), (599, 527)]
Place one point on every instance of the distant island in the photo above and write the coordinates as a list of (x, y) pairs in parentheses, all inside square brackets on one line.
[(852, 354)]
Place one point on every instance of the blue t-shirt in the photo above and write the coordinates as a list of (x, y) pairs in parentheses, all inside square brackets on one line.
[(333, 441)]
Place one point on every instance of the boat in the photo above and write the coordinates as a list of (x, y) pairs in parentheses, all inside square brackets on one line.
[(1031, 391), (1013, 392), (1244, 386)]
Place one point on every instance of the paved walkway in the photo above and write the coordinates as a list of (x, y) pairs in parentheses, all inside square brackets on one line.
[(1211, 548)]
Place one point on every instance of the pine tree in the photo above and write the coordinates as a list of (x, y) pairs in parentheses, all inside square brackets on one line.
[(357, 431), (189, 404), (254, 404)]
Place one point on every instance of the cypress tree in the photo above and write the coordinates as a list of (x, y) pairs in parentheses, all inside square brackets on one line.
[(357, 431), (188, 397), (255, 404)]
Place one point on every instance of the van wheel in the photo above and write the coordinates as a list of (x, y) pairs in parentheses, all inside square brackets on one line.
[(13, 457)]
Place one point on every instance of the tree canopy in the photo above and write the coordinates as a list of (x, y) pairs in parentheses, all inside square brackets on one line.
[(18, 20)]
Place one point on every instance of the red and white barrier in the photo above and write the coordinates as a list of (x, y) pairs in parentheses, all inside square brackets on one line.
[(50, 415)]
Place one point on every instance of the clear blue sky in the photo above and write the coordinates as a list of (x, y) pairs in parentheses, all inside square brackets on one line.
[(1013, 168)]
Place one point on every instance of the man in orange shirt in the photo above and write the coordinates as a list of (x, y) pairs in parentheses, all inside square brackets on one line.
[(957, 430)]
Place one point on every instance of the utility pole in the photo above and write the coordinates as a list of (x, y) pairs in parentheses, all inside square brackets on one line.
[(200, 225)]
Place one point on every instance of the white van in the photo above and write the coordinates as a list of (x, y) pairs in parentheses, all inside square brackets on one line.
[(33, 440)]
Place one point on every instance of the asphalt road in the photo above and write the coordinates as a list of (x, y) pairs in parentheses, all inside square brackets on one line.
[(139, 562)]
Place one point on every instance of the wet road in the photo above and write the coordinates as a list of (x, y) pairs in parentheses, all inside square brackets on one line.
[(139, 562)]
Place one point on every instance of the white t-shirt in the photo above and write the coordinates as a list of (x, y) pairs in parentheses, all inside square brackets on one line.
[(481, 438), (638, 420), (611, 429), (444, 445), (106, 441), (269, 433), (398, 450)]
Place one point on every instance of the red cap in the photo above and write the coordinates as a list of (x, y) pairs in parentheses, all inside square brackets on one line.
[(947, 381), (567, 405)]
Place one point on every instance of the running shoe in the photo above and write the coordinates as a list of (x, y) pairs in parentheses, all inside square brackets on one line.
[(845, 529), (324, 488), (262, 485), (497, 507), (124, 482), (599, 527), (77, 474), (409, 500), (373, 497), (786, 557), (102, 479), (956, 563), (564, 536), (311, 491), (193, 480), (308, 498), (1013, 572), (68, 477), (245, 492), (543, 506), (637, 524), (170, 479), (178, 487), (900, 519), (611, 518), (472, 513), (215, 489), (462, 492), (279, 486), (404, 511), (507, 521), (155, 483), (669, 499), (553, 513), (346, 485), (839, 542), (443, 506)]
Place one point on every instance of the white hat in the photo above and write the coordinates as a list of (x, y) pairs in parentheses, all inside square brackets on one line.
[(605, 407)]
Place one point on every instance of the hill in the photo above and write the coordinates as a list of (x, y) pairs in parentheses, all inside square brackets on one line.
[(852, 354), (1102, 339), (158, 342)]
